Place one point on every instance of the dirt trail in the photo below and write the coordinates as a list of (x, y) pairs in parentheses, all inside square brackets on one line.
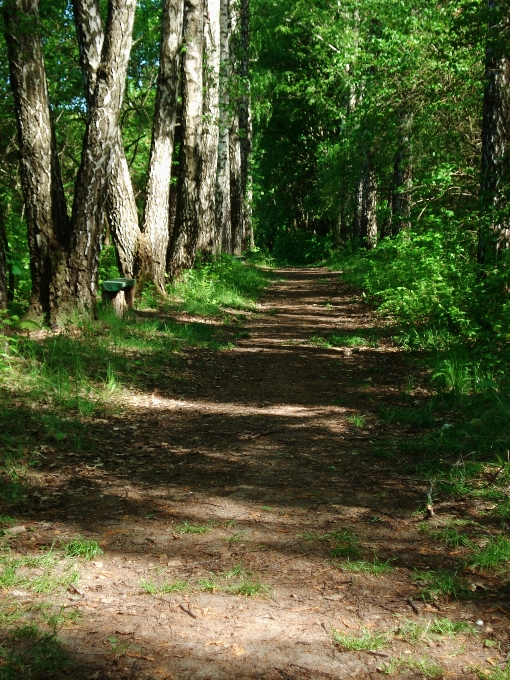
[(274, 450)]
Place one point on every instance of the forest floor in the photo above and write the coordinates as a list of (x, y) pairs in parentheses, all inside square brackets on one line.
[(258, 520)]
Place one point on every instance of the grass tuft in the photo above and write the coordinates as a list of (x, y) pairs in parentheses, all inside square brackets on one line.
[(81, 547), (367, 641)]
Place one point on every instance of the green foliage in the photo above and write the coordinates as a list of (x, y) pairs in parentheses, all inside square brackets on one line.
[(82, 547), (163, 588), (367, 641), (212, 286), (425, 666), (439, 584), (377, 567)]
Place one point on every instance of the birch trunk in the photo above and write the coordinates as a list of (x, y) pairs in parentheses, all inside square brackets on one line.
[(245, 125), (120, 206), (222, 190), (495, 230), (236, 197), (43, 192), (188, 220), (208, 241), (155, 229), (98, 159), (369, 205), (4, 293), (402, 177)]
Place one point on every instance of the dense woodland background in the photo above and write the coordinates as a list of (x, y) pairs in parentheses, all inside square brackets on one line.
[(377, 125)]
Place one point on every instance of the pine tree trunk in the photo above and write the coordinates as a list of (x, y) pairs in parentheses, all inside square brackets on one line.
[(43, 192), (188, 221), (155, 229), (495, 230), (208, 242), (101, 140), (120, 206), (402, 177), (222, 204)]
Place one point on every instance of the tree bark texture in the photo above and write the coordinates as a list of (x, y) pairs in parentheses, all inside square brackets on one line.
[(245, 123), (368, 221), (120, 205), (222, 190), (98, 157), (155, 227), (4, 292), (43, 192), (208, 241), (495, 230), (402, 177), (188, 220), (236, 195)]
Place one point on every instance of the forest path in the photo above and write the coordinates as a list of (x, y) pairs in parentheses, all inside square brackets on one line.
[(268, 460)]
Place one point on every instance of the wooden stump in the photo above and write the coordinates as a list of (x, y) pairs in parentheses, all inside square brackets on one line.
[(119, 294)]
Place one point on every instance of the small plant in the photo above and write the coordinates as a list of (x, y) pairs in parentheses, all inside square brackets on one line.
[(357, 421), (81, 547), (31, 653), (437, 584), (414, 632), (495, 552), (163, 588), (346, 545), (237, 571), (187, 528), (249, 588), (208, 584), (236, 537), (427, 667), (367, 641), (376, 567)]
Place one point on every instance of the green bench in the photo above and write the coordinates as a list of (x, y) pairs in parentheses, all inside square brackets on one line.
[(119, 294)]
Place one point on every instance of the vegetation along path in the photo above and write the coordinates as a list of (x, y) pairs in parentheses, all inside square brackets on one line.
[(261, 521)]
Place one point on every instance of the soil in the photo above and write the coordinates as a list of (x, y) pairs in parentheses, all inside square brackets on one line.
[(259, 448)]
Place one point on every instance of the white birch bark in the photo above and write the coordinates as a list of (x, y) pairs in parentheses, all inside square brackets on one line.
[(155, 226), (222, 190), (120, 205), (188, 220), (98, 158), (208, 242)]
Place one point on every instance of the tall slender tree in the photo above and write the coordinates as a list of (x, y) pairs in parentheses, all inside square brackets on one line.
[(155, 227), (208, 238), (120, 206), (495, 186), (402, 175), (236, 87), (245, 123), (222, 204), (188, 217), (78, 283), (45, 205), (3, 278)]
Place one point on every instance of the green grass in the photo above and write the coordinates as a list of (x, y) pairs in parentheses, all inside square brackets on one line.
[(367, 641), (425, 666), (414, 632), (187, 528), (211, 287), (81, 547), (356, 421), (32, 653), (164, 588), (49, 573), (339, 339), (494, 673), (440, 584), (494, 554), (376, 567), (249, 588)]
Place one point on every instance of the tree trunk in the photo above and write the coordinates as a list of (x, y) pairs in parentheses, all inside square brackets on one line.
[(245, 124), (368, 222), (188, 221), (120, 206), (208, 242), (222, 207), (101, 139), (43, 192), (4, 292), (402, 177), (155, 229), (495, 228), (236, 196)]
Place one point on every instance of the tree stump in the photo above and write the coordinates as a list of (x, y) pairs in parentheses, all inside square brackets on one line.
[(119, 294)]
